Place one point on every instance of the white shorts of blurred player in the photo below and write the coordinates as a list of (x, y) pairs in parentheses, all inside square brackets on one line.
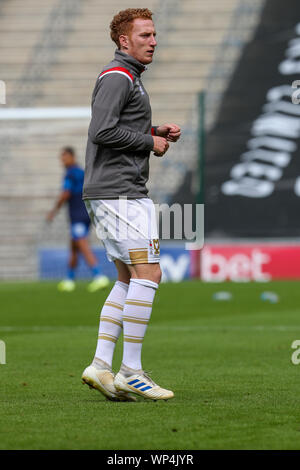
[(127, 228)]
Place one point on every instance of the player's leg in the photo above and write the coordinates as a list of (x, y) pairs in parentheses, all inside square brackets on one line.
[(144, 282), (124, 274), (110, 326), (68, 284), (99, 374), (73, 260), (131, 252), (99, 280), (85, 249), (152, 272)]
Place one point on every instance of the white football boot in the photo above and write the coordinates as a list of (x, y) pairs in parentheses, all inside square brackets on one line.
[(66, 285), (138, 382), (99, 282), (103, 381)]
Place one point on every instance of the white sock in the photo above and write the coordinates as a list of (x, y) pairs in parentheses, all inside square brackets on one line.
[(111, 322), (136, 315)]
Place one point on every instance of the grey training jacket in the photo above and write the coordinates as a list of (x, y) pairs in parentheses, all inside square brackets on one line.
[(119, 136)]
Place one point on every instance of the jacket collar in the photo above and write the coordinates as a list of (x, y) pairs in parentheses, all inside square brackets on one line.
[(128, 60)]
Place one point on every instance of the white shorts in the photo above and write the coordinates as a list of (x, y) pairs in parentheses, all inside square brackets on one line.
[(127, 228)]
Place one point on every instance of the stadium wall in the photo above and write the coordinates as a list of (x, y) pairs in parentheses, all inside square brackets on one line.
[(237, 262), (175, 263), (252, 169), (244, 262)]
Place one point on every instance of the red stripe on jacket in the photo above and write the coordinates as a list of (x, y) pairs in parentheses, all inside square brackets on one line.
[(118, 69)]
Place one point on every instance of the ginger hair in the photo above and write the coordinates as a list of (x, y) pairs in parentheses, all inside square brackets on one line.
[(122, 22)]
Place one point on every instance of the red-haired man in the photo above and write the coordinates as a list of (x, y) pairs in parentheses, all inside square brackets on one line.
[(120, 140)]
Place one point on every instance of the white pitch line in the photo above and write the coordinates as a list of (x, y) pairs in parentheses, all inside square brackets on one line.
[(39, 329)]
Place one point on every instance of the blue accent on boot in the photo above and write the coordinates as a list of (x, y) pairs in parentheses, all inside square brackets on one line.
[(95, 270), (71, 274)]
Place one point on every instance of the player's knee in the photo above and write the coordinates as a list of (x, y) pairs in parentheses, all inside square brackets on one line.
[(123, 272), (151, 272), (158, 275), (124, 278)]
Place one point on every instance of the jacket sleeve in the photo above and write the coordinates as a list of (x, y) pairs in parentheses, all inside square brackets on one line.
[(112, 95)]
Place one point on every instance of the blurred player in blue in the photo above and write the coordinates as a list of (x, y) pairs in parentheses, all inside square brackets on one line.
[(79, 224)]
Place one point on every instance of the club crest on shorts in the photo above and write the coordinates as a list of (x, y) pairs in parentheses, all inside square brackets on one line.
[(154, 246)]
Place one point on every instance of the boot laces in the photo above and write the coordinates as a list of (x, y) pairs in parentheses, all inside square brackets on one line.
[(146, 374)]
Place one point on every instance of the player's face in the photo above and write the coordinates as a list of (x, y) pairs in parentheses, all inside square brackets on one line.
[(67, 159), (141, 41)]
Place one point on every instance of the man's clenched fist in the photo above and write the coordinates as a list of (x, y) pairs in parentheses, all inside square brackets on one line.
[(171, 132), (160, 146)]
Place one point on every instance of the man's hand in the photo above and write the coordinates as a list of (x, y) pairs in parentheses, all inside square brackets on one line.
[(171, 132), (160, 146), (50, 216), (64, 196)]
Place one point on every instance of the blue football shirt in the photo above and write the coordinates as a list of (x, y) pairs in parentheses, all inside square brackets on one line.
[(73, 182)]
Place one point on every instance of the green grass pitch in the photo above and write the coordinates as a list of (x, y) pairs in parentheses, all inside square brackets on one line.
[(229, 364)]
